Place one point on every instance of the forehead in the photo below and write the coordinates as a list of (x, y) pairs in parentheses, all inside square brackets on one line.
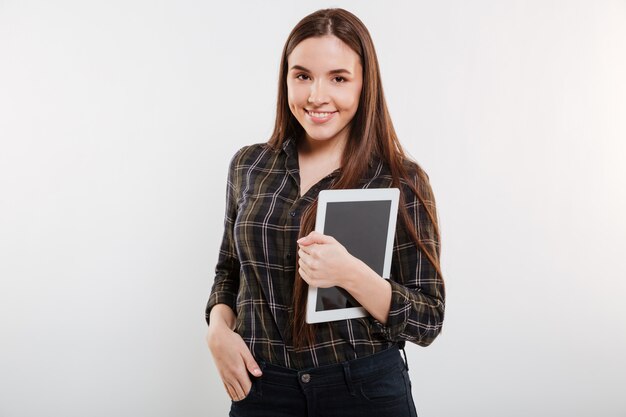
[(324, 53)]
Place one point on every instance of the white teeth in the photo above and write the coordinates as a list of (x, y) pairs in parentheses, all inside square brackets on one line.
[(319, 114)]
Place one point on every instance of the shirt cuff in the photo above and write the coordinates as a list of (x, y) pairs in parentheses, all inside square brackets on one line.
[(220, 297), (398, 314)]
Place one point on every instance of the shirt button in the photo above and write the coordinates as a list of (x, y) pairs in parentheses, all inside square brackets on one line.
[(288, 256), (292, 213), (305, 378)]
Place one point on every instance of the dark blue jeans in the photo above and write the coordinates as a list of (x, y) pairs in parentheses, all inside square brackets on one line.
[(376, 385)]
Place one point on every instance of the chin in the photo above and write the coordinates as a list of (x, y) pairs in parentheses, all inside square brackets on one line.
[(321, 137), (323, 134)]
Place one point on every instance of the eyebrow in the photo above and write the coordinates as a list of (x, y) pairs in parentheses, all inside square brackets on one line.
[(335, 71)]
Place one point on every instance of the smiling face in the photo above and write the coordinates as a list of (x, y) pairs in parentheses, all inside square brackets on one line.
[(324, 83)]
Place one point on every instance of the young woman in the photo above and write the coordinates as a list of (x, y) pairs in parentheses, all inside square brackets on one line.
[(332, 130)]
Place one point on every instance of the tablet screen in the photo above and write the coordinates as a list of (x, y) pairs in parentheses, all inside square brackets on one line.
[(362, 227)]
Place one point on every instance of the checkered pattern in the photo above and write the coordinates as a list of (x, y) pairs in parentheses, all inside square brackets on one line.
[(256, 266)]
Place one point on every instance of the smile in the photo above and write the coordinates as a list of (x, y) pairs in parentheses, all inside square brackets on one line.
[(319, 117)]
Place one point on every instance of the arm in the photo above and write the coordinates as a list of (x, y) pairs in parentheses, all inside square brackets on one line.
[(407, 307), (324, 262), (370, 290), (417, 301), (226, 282), (230, 353)]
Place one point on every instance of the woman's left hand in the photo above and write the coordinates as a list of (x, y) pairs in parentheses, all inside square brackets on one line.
[(324, 262)]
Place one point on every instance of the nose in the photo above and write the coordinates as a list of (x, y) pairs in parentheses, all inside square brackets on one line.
[(318, 94)]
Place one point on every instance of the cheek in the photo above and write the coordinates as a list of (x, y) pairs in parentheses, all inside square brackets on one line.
[(295, 93), (292, 108), (350, 100), (291, 100)]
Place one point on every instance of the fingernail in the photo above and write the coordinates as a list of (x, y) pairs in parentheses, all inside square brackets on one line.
[(298, 241), (256, 371)]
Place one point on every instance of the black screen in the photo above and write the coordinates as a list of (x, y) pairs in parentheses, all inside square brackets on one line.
[(360, 226)]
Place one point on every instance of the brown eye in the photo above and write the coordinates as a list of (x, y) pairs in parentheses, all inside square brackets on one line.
[(341, 79), (301, 75)]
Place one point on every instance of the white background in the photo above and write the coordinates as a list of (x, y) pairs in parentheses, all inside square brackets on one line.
[(117, 122)]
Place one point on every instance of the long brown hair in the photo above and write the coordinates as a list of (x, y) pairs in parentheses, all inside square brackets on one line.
[(371, 133)]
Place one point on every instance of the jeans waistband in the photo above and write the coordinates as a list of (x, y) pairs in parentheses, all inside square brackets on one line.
[(352, 370)]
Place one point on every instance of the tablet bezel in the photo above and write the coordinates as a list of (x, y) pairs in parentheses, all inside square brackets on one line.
[(351, 195)]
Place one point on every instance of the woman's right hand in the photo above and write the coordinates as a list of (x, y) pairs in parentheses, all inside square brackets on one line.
[(230, 354)]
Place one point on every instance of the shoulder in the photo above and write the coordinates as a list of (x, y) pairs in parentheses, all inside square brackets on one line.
[(413, 175), (247, 154), (414, 170), (249, 151), (416, 177)]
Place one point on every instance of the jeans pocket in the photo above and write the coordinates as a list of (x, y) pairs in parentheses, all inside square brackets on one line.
[(387, 388), (249, 395)]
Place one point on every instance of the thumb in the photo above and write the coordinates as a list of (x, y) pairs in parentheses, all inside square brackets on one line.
[(251, 364)]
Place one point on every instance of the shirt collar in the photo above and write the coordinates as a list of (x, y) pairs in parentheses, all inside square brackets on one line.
[(289, 147)]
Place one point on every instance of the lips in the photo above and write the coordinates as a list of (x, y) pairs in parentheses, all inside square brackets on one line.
[(319, 116)]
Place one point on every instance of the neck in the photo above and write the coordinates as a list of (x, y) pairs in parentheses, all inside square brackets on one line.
[(331, 149)]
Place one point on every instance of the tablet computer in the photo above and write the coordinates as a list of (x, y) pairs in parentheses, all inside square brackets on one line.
[(364, 222)]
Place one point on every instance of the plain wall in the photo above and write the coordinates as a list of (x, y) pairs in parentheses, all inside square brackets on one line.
[(117, 122)]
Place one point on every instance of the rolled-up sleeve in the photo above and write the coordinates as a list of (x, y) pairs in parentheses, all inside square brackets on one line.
[(226, 282), (418, 295)]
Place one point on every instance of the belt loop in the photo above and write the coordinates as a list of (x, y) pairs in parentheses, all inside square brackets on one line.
[(346, 372), (406, 362)]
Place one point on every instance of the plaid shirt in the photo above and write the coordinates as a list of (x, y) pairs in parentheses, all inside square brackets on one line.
[(256, 266)]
